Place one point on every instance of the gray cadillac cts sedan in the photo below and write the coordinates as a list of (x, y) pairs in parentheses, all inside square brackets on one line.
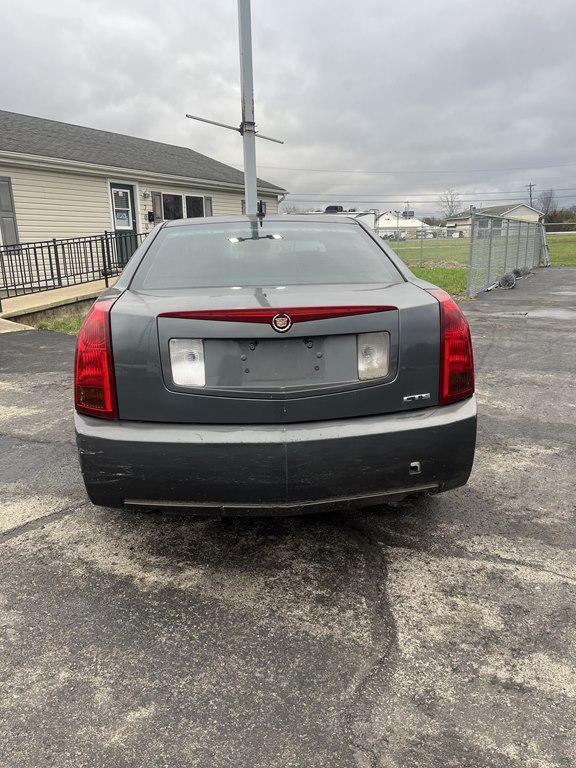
[(289, 364)]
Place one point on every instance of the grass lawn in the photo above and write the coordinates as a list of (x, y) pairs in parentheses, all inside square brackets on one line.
[(454, 252), (449, 279), (447, 251), (562, 250), (70, 324)]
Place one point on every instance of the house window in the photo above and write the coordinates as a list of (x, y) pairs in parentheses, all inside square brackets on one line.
[(166, 206), (194, 207), (172, 206)]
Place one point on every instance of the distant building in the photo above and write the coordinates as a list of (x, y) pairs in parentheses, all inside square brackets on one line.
[(390, 223), (461, 222), (366, 217), (384, 224)]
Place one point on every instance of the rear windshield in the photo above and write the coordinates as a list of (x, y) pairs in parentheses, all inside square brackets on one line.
[(277, 253)]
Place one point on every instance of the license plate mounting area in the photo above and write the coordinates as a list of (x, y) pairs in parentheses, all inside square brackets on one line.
[(280, 363)]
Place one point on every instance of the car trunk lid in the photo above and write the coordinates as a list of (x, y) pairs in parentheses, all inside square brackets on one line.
[(255, 374)]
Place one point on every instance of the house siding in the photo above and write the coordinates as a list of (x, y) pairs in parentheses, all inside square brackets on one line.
[(53, 204), (58, 204), (524, 213)]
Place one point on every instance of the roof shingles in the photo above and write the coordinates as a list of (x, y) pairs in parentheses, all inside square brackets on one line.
[(64, 141), (494, 210)]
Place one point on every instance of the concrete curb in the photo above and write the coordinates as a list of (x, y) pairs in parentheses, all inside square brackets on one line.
[(32, 303), (7, 326)]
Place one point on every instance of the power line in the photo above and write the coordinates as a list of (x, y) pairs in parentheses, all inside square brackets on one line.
[(423, 194), (419, 171), (377, 199)]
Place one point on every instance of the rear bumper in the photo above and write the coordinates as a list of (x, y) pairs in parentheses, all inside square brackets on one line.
[(284, 468)]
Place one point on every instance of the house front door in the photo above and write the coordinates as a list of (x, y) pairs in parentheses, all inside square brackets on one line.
[(124, 222)]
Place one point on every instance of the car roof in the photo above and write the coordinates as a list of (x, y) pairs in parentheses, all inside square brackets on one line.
[(276, 217)]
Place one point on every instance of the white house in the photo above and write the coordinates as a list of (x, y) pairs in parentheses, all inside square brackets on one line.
[(389, 223), (461, 222), (59, 180)]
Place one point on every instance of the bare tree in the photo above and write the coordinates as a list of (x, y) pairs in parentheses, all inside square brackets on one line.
[(449, 203), (547, 202), (288, 207)]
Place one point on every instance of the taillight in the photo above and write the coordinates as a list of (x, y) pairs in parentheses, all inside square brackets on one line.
[(456, 360), (94, 386)]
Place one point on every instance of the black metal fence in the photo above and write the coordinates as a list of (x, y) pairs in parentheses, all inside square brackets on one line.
[(48, 264)]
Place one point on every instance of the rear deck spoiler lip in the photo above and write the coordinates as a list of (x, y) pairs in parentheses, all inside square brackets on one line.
[(268, 314)]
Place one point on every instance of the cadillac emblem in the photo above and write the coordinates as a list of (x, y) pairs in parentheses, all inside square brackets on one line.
[(281, 323)]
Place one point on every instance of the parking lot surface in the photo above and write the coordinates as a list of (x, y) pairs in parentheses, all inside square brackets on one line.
[(436, 633)]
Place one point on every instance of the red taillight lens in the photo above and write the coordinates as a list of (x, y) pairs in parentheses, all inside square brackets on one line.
[(456, 359), (94, 386)]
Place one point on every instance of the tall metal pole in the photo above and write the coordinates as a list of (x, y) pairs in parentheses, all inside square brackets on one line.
[(248, 126)]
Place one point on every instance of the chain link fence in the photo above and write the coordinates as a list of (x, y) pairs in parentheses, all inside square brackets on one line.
[(502, 247), (430, 247), (476, 256)]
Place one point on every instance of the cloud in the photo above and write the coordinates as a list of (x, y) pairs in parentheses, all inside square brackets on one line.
[(378, 86)]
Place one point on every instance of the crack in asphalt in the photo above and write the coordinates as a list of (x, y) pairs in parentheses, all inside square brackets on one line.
[(41, 522), (386, 636)]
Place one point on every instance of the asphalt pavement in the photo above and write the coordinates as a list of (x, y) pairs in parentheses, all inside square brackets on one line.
[(437, 633)]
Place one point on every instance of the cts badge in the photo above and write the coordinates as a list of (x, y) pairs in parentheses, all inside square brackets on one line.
[(281, 323), (416, 398)]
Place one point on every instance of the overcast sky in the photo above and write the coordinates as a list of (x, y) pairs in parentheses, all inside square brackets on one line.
[(437, 93)]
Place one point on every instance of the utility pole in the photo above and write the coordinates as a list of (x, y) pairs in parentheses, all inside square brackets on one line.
[(397, 225), (530, 187), (247, 128)]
